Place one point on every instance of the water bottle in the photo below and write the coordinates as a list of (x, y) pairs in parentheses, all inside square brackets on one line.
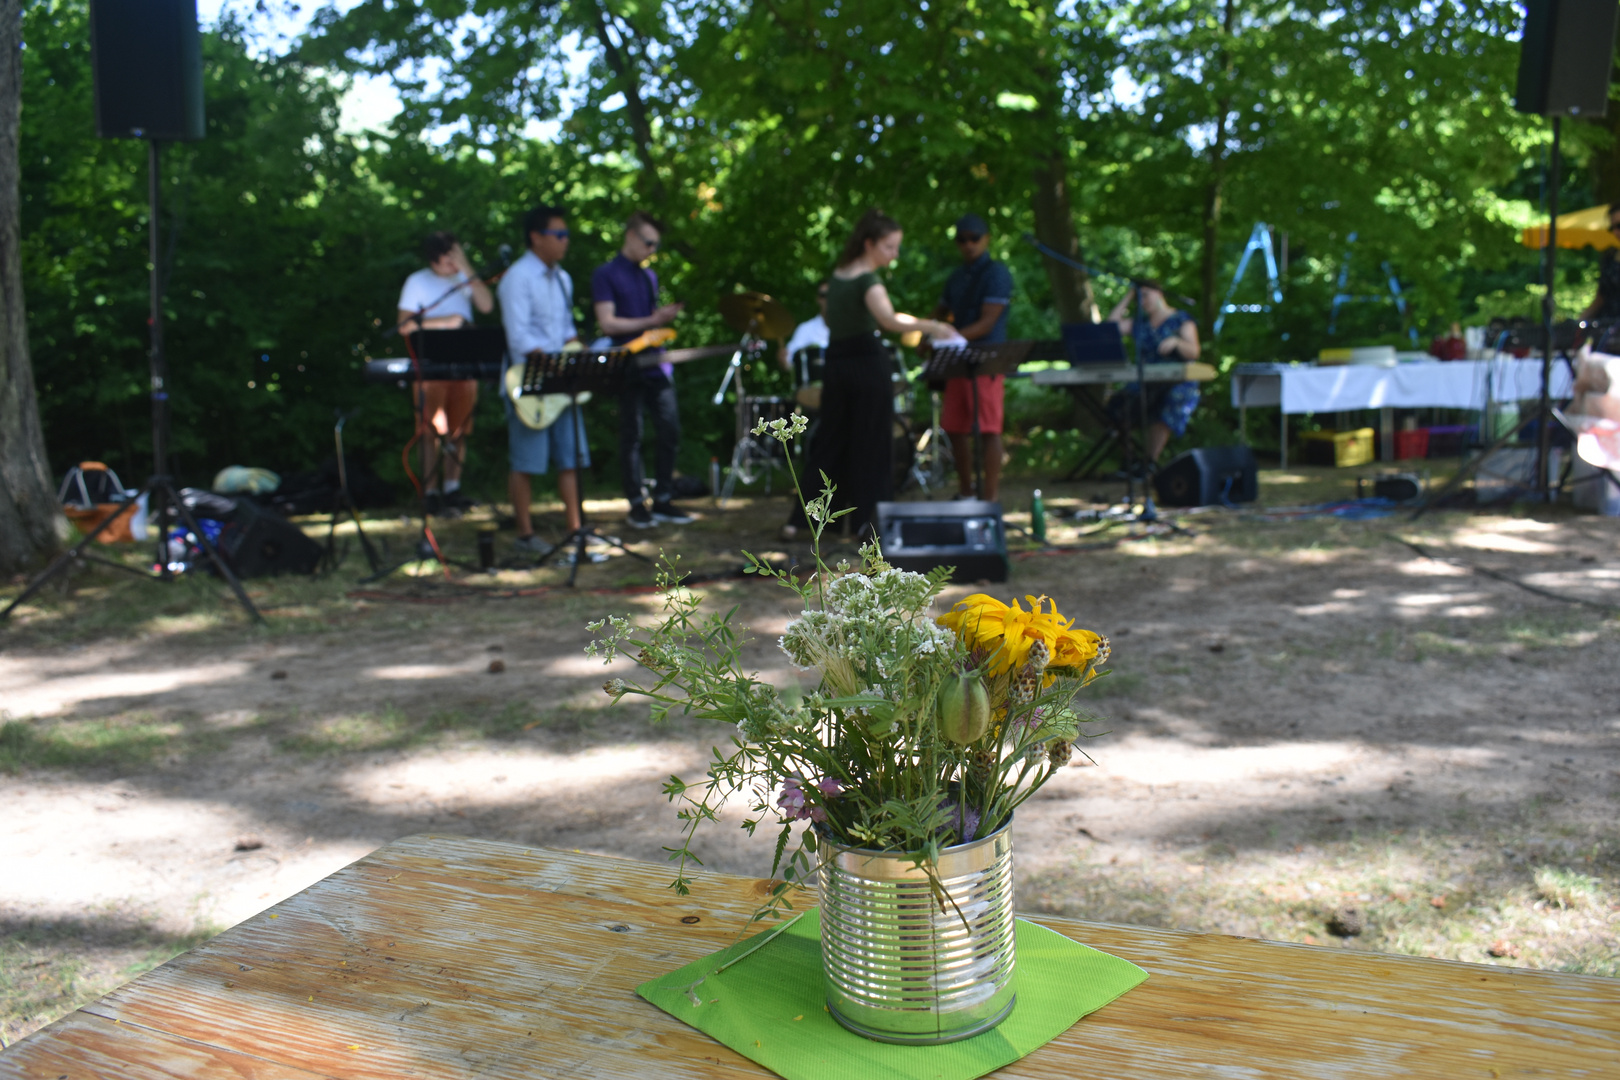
[(486, 550), (714, 477), (1037, 517)]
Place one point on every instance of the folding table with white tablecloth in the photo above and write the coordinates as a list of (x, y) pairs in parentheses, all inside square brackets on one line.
[(1455, 384)]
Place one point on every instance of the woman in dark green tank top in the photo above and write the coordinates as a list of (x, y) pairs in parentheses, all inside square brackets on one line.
[(854, 443)]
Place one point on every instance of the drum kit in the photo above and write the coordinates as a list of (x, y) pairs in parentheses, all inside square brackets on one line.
[(921, 458)]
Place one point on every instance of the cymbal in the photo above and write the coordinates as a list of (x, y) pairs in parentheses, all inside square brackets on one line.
[(756, 313)]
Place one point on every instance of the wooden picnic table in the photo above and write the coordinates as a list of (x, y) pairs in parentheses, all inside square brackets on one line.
[(442, 956)]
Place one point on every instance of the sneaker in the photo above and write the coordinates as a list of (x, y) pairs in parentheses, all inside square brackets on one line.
[(532, 545), (459, 500), (590, 556), (668, 514), (640, 517)]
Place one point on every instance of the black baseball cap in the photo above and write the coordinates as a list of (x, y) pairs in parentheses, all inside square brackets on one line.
[(972, 225)]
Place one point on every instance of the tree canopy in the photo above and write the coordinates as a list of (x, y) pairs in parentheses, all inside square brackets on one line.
[(1142, 137)]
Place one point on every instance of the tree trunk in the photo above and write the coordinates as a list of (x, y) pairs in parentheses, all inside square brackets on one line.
[(29, 514), (622, 62), (1071, 288), (1054, 227), (1606, 162), (1209, 302)]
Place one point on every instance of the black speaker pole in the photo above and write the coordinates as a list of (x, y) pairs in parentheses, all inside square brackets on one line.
[(1544, 415), (157, 363)]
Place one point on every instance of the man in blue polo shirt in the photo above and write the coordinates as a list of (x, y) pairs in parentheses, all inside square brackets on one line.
[(625, 295), (977, 296)]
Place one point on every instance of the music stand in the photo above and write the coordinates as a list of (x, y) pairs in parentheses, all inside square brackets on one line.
[(575, 373), (967, 361)]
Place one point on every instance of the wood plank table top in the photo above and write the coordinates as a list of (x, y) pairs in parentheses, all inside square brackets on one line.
[(442, 956)]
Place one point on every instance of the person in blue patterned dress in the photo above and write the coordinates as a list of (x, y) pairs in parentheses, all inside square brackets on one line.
[(1171, 336)]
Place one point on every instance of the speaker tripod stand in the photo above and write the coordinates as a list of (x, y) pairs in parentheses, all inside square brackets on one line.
[(159, 487)]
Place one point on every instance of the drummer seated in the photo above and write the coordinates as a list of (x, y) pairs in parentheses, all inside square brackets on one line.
[(810, 332)]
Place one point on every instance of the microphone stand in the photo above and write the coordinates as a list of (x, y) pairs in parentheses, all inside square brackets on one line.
[(427, 545)]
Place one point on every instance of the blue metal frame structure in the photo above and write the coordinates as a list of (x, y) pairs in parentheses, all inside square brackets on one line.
[(1259, 240), (1342, 297)]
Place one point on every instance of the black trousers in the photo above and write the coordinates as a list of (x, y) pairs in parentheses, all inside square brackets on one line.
[(854, 443), (656, 394)]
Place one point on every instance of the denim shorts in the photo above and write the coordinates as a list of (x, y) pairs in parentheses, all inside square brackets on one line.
[(536, 452)]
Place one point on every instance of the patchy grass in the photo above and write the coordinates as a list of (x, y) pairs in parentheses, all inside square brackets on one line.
[(48, 969), (122, 741), (1457, 896), (393, 728), (1568, 889)]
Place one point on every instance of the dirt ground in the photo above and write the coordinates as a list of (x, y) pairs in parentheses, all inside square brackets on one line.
[(1306, 715)]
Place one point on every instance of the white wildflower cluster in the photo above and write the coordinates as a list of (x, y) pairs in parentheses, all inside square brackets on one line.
[(783, 430), (607, 647), (768, 715), (872, 632)]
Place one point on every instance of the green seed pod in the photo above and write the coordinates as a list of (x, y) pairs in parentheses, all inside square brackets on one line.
[(963, 708)]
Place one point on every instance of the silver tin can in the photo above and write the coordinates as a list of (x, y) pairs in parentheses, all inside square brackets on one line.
[(903, 967)]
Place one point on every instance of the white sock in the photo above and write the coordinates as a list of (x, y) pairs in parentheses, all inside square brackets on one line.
[(452, 486)]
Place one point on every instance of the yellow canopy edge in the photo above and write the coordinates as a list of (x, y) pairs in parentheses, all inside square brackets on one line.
[(1582, 228)]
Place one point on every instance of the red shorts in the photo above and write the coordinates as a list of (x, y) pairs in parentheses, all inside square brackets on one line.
[(957, 416), (447, 405)]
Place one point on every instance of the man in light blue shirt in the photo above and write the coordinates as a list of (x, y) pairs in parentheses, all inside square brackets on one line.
[(537, 312)]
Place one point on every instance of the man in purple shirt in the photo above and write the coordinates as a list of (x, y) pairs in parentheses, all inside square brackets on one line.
[(625, 295)]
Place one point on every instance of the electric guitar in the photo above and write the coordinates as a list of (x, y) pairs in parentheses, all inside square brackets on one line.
[(540, 411)]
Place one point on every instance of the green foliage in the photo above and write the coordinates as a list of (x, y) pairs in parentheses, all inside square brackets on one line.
[(759, 131)]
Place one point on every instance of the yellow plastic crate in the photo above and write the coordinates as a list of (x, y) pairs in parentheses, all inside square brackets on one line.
[(1341, 449)]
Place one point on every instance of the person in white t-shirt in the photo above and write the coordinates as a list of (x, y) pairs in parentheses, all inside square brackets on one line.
[(442, 296), (810, 332)]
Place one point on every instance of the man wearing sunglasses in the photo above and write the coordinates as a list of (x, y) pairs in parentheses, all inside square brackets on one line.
[(625, 294), (1606, 304), (977, 296), (537, 312)]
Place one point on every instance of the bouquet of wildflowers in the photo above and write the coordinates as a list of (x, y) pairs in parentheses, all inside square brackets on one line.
[(919, 730)]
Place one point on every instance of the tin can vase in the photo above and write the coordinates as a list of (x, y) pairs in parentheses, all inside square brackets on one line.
[(903, 967)]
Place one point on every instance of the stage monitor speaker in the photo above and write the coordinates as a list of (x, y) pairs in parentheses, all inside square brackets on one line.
[(257, 543), (146, 64), (1566, 57), (1209, 476), (967, 534)]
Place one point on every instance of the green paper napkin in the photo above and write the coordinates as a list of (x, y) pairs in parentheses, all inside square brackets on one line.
[(770, 1008)]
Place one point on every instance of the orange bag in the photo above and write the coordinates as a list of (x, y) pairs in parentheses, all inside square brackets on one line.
[(91, 493)]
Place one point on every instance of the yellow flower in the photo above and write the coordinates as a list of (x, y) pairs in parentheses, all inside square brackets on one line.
[(1007, 632)]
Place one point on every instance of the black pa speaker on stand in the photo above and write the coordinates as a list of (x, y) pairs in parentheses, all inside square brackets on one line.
[(1209, 476), (1565, 57), (146, 60), (1566, 60), (146, 67), (967, 534)]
